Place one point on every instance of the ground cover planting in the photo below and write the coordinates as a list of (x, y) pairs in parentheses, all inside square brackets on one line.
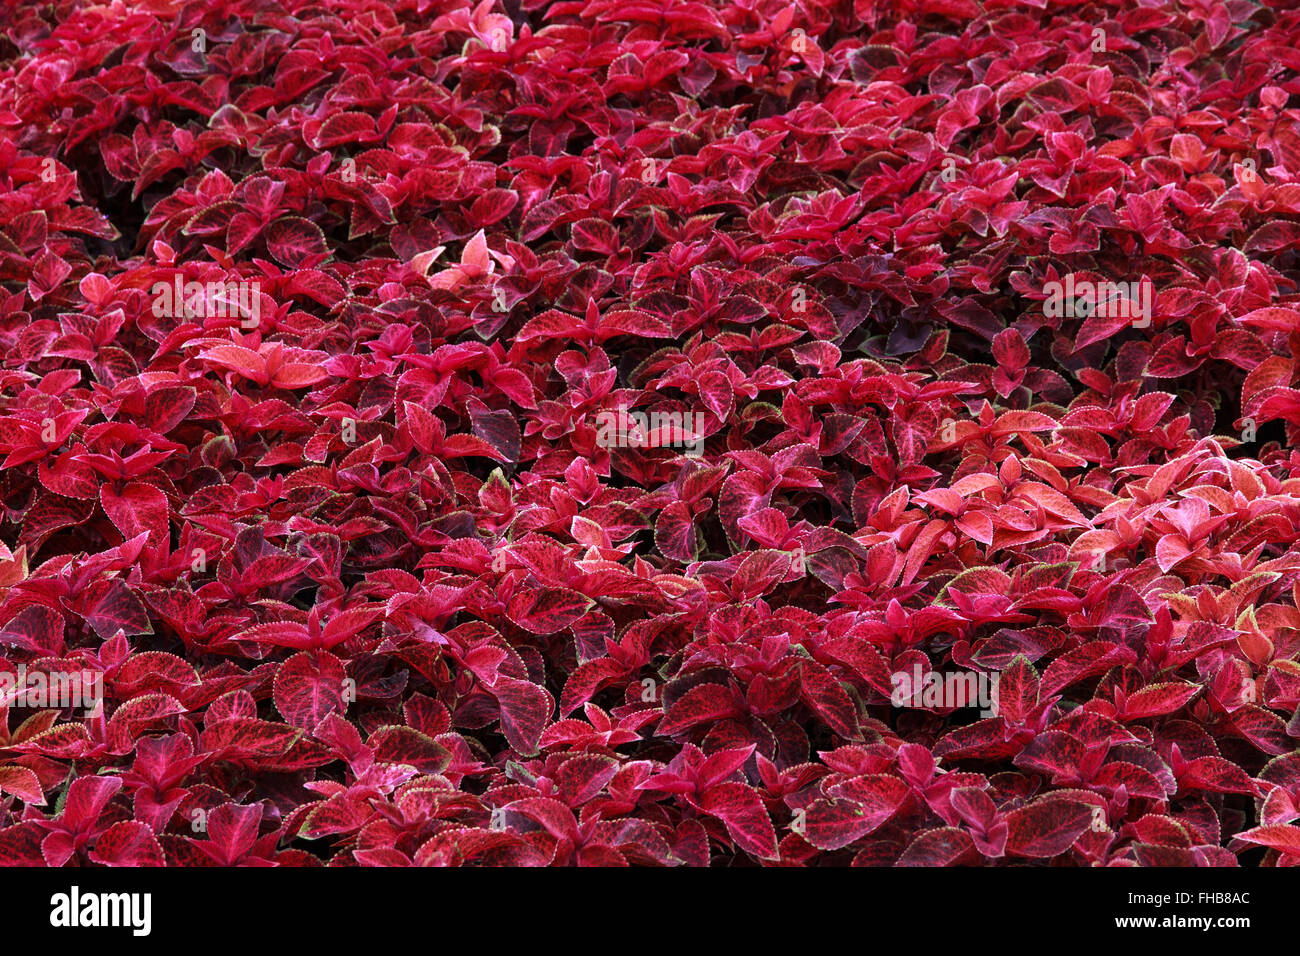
[(649, 433)]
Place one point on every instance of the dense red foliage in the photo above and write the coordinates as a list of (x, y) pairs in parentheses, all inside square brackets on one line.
[(601, 404)]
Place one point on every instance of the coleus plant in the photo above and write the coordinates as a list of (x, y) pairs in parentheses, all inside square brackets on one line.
[(314, 325)]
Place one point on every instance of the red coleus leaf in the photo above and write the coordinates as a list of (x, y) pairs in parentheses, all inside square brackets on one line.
[(525, 711), (707, 702), (858, 807), (1159, 699), (137, 508), (22, 783), (128, 843), (946, 846), (1046, 828), (310, 686), (1215, 774), (741, 809), (827, 698), (1284, 839), (546, 610), (295, 241), (248, 738), (110, 606), (406, 745)]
